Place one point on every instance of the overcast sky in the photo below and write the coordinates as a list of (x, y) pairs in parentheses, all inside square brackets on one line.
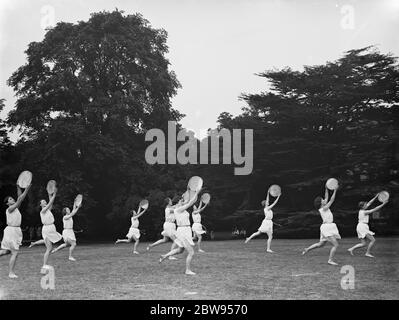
[(217, 46)]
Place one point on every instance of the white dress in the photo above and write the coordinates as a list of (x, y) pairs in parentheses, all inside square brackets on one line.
[(48, 230), (134, 229), (362, 227), (169, 226), (267, 223), (184, 235), (328, 228), (197, 226), (68, 233), (12, 236)]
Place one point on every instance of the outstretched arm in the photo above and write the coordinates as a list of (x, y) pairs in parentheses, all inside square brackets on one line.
[(140, 213), (371, 201), (326, 194), (190, 202), (51, 201), (328, 205), (375, 209), (199, 209), (21, 198), (74, 211), (274, 203)]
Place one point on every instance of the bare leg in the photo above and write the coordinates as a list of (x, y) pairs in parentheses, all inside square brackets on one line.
[(199, 236), (269, 242), (371, 244), (4, 252), (135, 246), (257, 233), (38, 242), (334, 243), (61, 246), (73, 246), (157, 243), (174, 245), (319, 244), (49, 246), (357, 246), (123, 240), (13, 259), (172, 252), (190, 255)]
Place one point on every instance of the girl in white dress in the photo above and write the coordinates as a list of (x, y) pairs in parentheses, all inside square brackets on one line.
[(267, 223), (184, 235), (68, 234), (134, 232), (12, 236), (198, 231), (328, 230), (363, 231), (49, 232), (169, 228)]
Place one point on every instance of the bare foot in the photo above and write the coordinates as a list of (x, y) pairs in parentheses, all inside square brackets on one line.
[(136, 252), (200, 250), (369, 255), (162, 258), (71, 259), (148, 248), (332, 263), (12, 276), (172, 258), (270, 251), (304, 252), (31, 245), (246, 240), (190, 273), (350, 251)]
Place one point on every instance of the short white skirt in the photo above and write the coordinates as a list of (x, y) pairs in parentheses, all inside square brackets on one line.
[(363, 230), (133, 232), (12, 238), (50, 232), (266, 226), (68, 234), (329, 230), (169, 229), (184, 237), (197, 228)]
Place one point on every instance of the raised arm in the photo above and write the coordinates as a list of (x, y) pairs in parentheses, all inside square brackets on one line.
[(51, 201), (190, 202), (140, 213), (371, 201), (199, 209), (74, 211), (274, 203), (328, 205), (21, 198), (326, 194), (375, 209), (267, 200)]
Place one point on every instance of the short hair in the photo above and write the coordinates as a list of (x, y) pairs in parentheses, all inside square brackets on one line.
[(6, 199), (64, 211), (263, 202), (167, 200), (317, 202)]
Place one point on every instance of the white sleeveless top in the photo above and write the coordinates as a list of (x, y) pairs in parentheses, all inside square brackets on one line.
[(326, 215), (47, 217), (14, 218), (268, 214), (196, 217), (169, 217), (182, 218), (135, 223), (364, 218), (68, 223)]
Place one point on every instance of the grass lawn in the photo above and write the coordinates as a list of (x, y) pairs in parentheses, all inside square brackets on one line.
[(228, 270)]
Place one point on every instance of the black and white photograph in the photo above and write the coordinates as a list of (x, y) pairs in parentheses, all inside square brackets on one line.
[(199, 155)]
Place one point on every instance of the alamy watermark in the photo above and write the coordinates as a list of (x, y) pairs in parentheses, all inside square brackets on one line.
[(348, 280), (48, 280), (206, 151)]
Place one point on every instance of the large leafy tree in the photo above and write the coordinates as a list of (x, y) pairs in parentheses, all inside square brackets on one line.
[(338, 119), (86, 96)]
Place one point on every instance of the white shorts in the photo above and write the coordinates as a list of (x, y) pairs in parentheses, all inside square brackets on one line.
[(197, 228), (362, 230), (68, 235), (50, 232), (169, 229), (266, 226), (184, 237), (329, 230), (133, 232), (12, 238)]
